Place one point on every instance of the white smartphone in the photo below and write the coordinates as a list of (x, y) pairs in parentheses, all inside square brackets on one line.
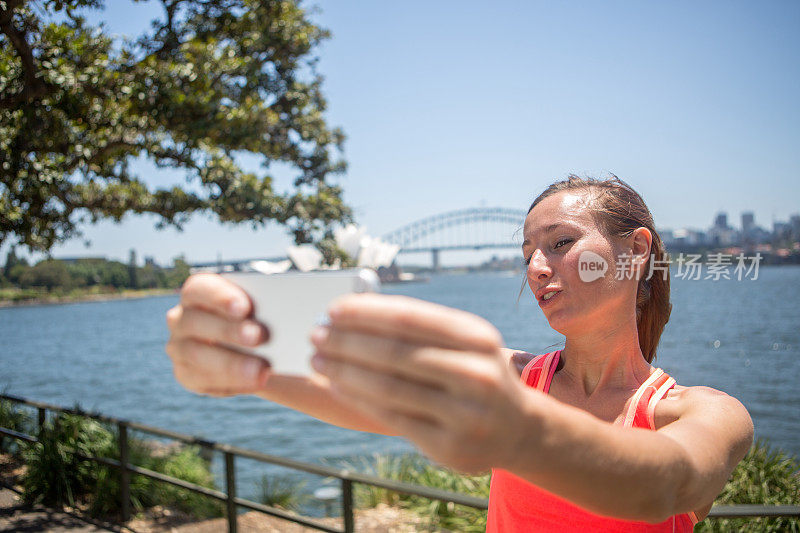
[(292, 304)]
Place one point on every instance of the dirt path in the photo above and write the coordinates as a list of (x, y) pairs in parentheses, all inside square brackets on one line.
[(382, 519), (15, 517)]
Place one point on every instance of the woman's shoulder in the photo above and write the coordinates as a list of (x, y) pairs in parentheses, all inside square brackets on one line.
[(679, 399), (518, 359), (694, 394)]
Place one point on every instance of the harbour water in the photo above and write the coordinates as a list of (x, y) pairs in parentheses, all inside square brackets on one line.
[(742, 337)]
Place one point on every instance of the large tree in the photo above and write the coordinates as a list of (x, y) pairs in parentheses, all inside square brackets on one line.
[(212, 79)]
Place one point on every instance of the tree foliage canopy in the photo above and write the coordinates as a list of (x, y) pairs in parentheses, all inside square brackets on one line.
[(210, 80)]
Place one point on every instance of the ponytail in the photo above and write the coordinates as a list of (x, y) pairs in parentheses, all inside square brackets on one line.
[(653, 307)]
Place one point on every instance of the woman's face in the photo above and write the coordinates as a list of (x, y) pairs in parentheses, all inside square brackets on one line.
[(567, 252)]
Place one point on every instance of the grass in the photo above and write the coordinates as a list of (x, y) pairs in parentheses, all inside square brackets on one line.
[(12, 294), (283, 491), (16, 295), (417, 470)]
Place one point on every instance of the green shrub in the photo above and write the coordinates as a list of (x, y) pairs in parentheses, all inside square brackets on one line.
[(107, 493), (13, 418), (48, 273), (766, 476), (186, 464), (57, 477), (182, 463)]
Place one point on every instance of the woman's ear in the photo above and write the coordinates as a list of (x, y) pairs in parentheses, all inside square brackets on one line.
[(640, 248)]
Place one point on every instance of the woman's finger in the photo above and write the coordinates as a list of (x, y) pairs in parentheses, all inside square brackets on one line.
[(415, 321), (200, 324), (210, 369), (214, 293)]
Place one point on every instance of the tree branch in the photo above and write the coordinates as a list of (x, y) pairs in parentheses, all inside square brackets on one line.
[(180, 157), (34, 87), (171, 40)]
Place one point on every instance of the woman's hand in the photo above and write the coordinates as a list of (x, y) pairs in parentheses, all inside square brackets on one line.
[(214, 312), (432, 374)]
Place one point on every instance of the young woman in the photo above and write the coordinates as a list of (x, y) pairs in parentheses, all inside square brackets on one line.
[(591, 437)]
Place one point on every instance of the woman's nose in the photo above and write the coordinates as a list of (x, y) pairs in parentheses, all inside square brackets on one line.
[(538, 267)]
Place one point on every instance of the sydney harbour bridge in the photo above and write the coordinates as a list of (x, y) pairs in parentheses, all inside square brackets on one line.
[(475, 228)]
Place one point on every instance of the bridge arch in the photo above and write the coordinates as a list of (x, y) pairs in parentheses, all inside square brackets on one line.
[(480, 228)]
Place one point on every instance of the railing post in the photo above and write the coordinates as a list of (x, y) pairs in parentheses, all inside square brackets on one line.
[(230, 489), (42, 417), (124, 473), (347, 505)]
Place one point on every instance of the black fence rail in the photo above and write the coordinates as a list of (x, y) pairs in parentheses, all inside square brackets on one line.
[(346, 477)]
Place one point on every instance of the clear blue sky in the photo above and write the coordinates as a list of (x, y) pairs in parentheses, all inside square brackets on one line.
[(449, 105)]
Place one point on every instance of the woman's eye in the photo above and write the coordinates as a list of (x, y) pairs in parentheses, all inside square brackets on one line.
[(562, 242)]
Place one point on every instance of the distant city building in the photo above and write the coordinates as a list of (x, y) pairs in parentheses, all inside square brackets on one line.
[(720, 234), (794, 223), (748, 223), (781, 230), (688, 237), (752, 234)]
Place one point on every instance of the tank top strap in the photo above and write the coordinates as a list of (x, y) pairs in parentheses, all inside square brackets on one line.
[(642, 406), (539, 371)]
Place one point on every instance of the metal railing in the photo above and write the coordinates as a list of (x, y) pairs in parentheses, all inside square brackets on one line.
[(346, 477), (229, 497)]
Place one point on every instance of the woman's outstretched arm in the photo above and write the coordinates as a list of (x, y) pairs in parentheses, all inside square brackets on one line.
[(312, 396), (439, 377), (635, 473)]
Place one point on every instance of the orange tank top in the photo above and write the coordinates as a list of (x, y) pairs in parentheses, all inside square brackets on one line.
[(515, 505)]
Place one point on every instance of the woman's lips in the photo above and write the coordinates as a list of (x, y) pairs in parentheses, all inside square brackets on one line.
[(545, 303)]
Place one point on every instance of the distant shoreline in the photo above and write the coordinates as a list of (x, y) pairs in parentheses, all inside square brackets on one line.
[(131, 294), (101, 297)]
